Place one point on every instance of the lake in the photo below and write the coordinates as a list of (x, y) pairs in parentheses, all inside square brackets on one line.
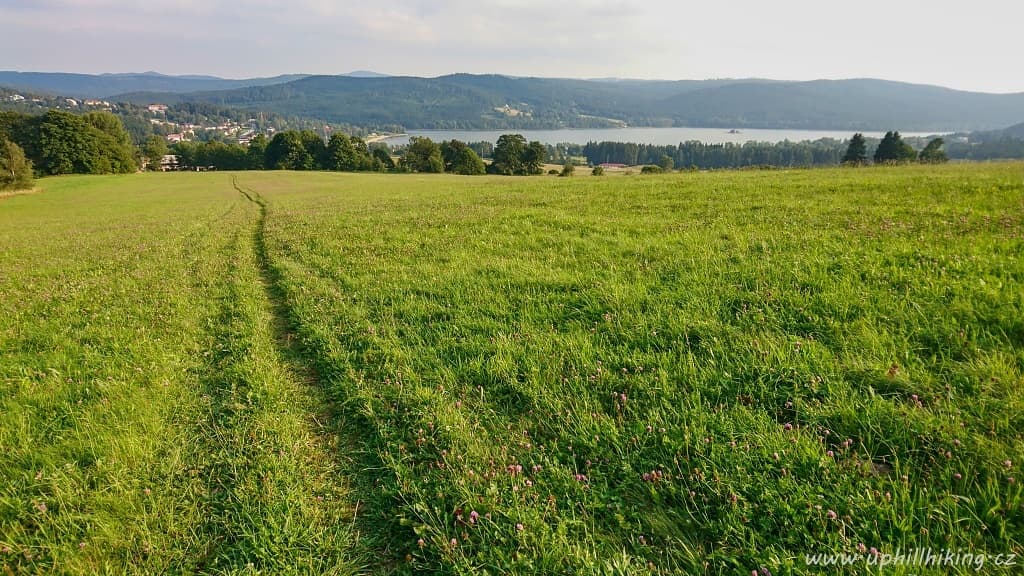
[(659, 136)]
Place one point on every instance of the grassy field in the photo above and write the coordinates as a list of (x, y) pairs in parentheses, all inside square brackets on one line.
[(332, 373)]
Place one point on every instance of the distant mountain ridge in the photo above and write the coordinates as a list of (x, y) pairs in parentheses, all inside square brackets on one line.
[(492, 101), (108, 85)]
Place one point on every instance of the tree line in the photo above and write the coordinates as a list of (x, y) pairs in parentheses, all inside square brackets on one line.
[(702, 155), (306, 150), (893, 150), (60, 142), (697, 154)]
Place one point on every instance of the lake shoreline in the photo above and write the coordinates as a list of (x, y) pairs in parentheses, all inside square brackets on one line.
[(649, 136)]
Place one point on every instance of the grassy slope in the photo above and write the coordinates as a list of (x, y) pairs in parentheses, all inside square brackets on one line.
[(714, 370), (151, 423), (192, 382)]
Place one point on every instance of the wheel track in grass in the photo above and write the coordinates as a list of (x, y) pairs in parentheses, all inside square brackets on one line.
[(327, 421)]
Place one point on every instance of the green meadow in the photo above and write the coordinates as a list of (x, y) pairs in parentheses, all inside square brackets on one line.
[(332, 373)]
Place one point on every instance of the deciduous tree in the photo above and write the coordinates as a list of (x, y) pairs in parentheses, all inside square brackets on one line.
[(469, 164), (383, 157), (257, 152), (933, 152), (341, 155), (154, 149), (534, 157), (423, 155), (15, 169), (287, 151), (508, 155)]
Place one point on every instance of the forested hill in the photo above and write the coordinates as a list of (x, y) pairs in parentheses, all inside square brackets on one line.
[(107, 85), (493, 101), (861, 104), (1015, 131)]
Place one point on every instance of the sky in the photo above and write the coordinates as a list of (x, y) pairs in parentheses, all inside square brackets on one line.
[(965, 45)]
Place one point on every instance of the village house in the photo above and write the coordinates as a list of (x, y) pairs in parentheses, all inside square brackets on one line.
[(169, 163)]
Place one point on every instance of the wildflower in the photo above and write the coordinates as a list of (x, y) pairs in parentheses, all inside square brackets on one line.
[(453, 543), (473, 517), (873, 551), (1008, 463), (421, 543), (956, 442), (41, 506), (81, 545), (775, 455), (147, 491), (862, 548), (957, 476), (519, 528), (580, 477), (830, 453), (788, 427), (831, 514)]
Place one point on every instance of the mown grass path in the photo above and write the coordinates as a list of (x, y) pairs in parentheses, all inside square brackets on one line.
[(336, 433), (156, 417)]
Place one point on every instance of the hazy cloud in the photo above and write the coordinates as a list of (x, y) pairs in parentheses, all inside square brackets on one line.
[(963, 45)]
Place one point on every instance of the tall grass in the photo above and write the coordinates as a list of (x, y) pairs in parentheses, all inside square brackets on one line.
[(694, 373), (709, 373)]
